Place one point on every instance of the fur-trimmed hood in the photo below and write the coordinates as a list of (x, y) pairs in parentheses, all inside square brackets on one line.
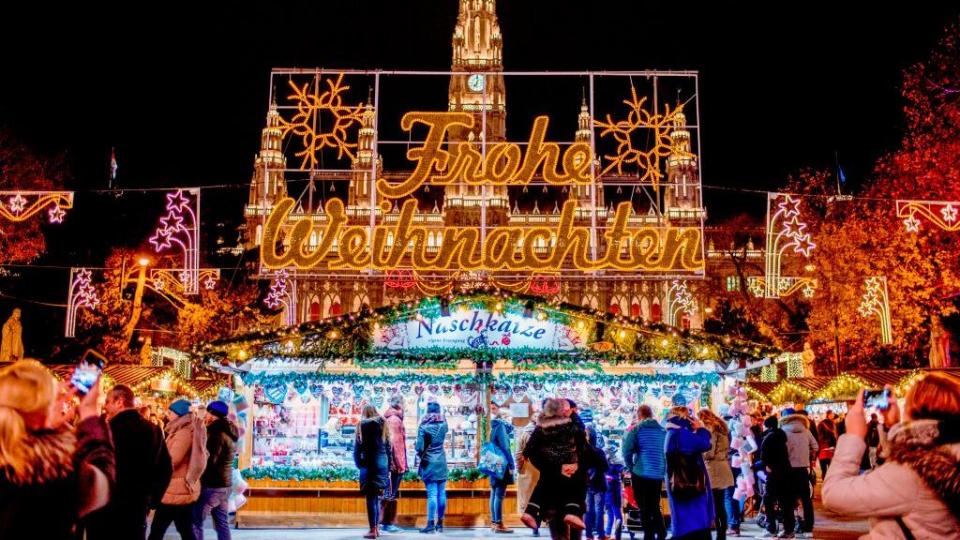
[(794, 422), (932, 449), (49, 454), (552, 423)]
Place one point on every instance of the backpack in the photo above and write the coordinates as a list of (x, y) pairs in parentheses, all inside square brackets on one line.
[(687, 479)]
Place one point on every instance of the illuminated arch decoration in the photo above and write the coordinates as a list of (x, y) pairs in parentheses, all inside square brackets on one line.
[(169, 282), (876, 301), (180, 227), (81, 294), (322, 120), (679, 301), (638, 125), (19, 206), (943, 214), (785, 232)]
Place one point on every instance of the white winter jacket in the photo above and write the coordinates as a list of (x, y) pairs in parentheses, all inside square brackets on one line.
[(896, 488)]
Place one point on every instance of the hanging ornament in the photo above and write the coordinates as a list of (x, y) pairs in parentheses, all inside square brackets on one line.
[(275, 393), (316, 390), (300, 385)]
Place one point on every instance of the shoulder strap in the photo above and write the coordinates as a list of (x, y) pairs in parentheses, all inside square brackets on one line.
[(904, 529)]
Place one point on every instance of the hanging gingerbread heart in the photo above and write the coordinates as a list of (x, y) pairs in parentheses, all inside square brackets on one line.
[(300, 385), (275, 393), (316, 390)]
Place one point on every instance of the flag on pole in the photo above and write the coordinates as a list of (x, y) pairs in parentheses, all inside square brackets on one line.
[(113, 164), (843, 177)]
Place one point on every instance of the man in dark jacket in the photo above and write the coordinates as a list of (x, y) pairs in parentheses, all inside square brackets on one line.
[(775, 459), (217, 478), (143, 470)]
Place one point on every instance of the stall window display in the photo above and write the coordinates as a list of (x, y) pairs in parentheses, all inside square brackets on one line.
[(312, 425)]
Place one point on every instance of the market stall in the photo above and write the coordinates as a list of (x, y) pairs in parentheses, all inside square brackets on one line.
[(301, 390)]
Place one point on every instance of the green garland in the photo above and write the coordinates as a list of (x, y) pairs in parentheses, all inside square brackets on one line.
[(606, 379), (349, 337), (412, 377), (342, 474)]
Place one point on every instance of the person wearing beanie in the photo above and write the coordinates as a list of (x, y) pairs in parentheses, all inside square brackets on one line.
[(217, 478), (775, 460), (186, 440)]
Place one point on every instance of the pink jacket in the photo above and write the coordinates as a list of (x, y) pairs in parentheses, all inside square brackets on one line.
[(398, 438), (897, 488)]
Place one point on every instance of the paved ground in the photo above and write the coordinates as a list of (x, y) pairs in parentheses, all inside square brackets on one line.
[(828, 527)]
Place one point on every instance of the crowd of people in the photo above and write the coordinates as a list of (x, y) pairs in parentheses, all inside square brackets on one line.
[(570, 479), (70, 469)]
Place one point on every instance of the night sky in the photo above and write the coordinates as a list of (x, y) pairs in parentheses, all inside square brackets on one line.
[(180, 89)]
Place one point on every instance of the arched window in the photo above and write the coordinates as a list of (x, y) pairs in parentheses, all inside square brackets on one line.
[(259, 233), (335, 309), (634, 309), (315, 309), (614, 309), (655, 315)]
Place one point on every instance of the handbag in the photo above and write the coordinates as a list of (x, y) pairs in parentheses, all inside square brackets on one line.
[(492, 461), (687, 479), (826, 453)]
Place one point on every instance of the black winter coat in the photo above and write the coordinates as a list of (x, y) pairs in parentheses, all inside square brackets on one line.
[(774, 453), (222, 437), (143, 473), (46, 506), (370, 455)]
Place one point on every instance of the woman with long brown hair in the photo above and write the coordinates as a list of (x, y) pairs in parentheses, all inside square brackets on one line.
[(717, 460), (370, 454), (916, 492)]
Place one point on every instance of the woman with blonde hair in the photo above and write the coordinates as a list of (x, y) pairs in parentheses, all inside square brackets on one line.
[(717, 460), (50, 475), (371, 456), (916, 492)]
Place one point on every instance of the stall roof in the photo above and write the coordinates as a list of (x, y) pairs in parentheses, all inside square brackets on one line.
[(613, 338), (841, 387)]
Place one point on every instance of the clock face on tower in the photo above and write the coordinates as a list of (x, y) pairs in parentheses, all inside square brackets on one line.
[(475, 82)]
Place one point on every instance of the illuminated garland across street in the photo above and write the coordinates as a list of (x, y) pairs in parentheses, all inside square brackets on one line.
[(785, 231), (876, 301), (81, 294), (181, 227), (18, 206), (942, 214)]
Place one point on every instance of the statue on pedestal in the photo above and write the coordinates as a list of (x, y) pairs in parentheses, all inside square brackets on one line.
[(11, 344), (809, 360)]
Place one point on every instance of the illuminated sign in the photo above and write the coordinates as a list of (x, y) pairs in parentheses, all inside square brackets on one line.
[(479, 329)]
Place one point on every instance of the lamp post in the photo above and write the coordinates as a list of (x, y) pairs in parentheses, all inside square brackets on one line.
[(141, 269)]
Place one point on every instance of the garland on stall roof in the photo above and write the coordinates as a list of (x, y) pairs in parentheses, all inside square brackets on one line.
[(606, 379), (342, 474), (273, 379), (349, 337)]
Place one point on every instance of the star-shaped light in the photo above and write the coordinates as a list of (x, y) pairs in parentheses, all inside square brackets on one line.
[(210, 283), (912, 223), (84, 275), (177, 202), (808, 291), (803, 245), (949, 213), (184, 276), (172, 221), (56, 214), (17, 203), (794, 227), (161, 239), (865, 310), (159, 284), (789, 206)]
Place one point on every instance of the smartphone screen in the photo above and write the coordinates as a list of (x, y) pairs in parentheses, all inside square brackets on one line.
[(86, 373), (876, 399)]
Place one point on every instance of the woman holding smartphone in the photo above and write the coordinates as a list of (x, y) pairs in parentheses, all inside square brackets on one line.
[(916, 492)]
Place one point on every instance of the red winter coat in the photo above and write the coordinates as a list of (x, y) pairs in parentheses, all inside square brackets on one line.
[(398, 439)]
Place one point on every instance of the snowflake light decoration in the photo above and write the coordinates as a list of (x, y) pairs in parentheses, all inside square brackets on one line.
[(638, 125), (322, 120)]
